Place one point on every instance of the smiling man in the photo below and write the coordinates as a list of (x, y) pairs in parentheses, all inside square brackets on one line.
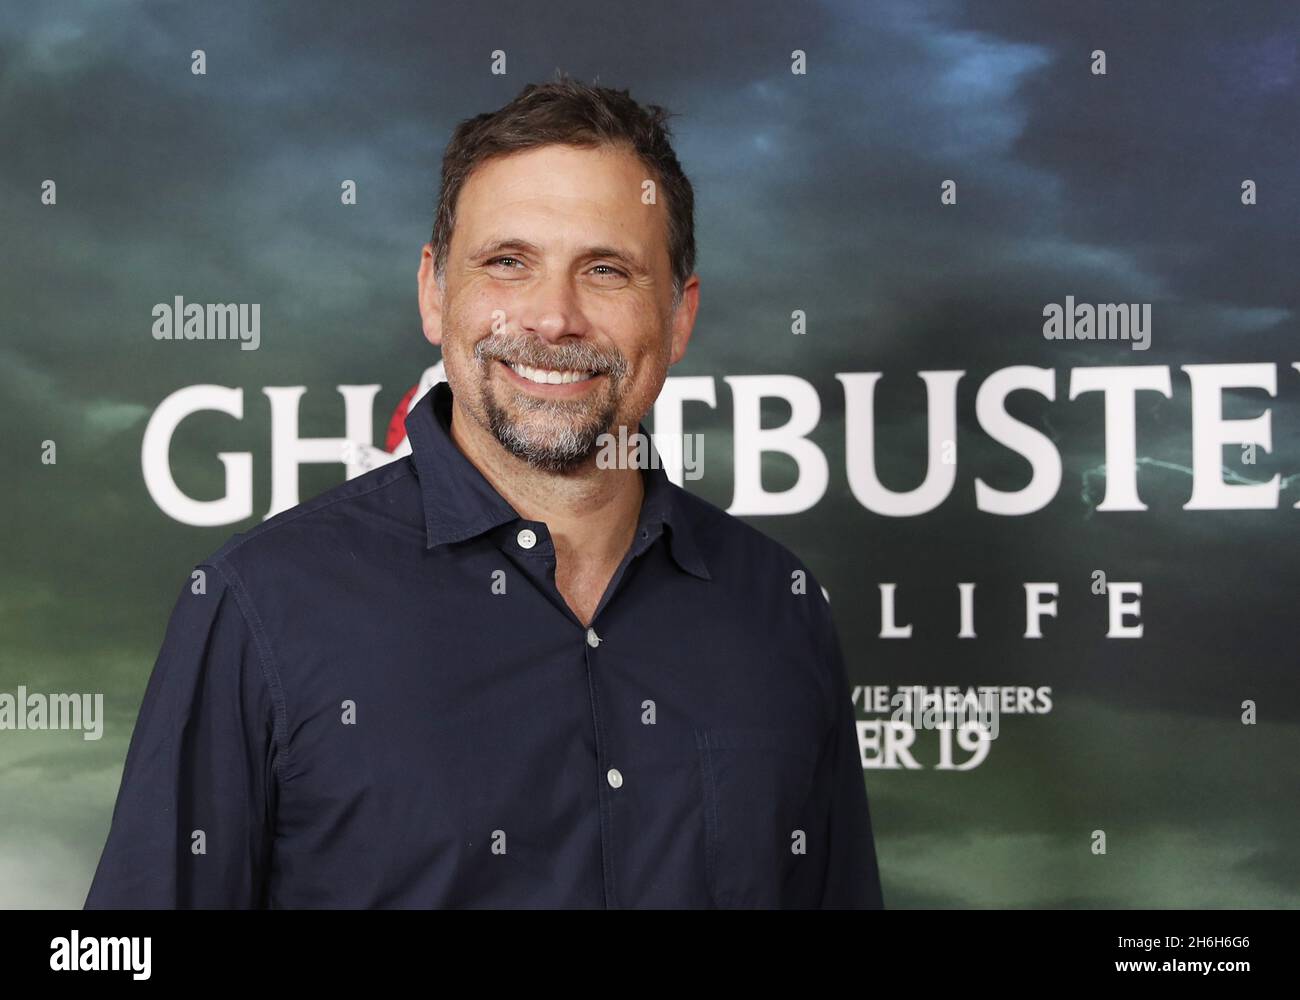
[(559, 307), (496, 673)]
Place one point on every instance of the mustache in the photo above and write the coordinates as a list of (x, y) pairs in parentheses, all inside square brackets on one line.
[(568, 357)]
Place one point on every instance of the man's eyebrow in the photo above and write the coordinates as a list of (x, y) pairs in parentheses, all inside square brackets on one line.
[(499, 246), (503, 246), (624, 256)]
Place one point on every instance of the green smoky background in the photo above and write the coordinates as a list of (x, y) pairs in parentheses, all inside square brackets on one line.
[(817, 192)]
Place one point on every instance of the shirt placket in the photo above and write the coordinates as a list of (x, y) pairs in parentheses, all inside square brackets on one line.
[(532, 543)]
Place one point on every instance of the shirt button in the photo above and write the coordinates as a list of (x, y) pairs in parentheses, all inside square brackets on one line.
[(526, 538), (615, 779), (593, 640)]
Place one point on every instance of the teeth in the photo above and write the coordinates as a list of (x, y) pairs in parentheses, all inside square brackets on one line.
[(547, 377)]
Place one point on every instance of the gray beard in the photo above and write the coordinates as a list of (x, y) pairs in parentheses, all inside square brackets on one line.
[(565, 450)]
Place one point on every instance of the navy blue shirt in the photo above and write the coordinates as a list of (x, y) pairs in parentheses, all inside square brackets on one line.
[(379, 698)]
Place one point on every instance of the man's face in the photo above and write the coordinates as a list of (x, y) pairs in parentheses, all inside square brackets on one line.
[(557, 265)]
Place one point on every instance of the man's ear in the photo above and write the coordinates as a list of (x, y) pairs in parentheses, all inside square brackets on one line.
[(430, 297), (683, 318)]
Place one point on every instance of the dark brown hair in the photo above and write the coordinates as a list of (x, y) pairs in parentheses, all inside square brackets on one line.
[(572, 113)]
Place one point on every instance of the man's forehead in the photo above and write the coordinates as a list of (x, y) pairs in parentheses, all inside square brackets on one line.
[(604, 176), (560, 179)]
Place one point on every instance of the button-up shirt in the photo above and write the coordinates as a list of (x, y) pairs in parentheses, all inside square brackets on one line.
[(379, 698)]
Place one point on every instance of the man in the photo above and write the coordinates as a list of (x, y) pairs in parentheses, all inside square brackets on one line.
[(496, 672)]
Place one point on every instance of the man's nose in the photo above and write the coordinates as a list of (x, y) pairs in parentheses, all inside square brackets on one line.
[(551, 308)]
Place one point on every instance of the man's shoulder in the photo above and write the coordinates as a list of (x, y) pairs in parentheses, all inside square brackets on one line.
[(735, 546), (332, 524), (764, 584)]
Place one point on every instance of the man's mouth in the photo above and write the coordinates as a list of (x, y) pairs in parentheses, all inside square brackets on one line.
[(547, 376)]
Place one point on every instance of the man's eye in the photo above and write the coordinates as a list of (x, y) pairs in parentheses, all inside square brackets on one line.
[(497, 260), (612, 270)]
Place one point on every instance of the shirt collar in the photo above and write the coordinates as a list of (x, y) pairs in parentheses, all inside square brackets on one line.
[(460, 503)]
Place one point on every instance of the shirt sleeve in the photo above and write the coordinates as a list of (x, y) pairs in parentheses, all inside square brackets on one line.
[(193, 822), (852, 879)]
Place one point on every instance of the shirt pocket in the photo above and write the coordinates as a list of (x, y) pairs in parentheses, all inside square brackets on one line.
[(758, 788)]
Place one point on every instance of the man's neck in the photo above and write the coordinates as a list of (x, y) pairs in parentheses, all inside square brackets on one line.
[(591, 513)]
